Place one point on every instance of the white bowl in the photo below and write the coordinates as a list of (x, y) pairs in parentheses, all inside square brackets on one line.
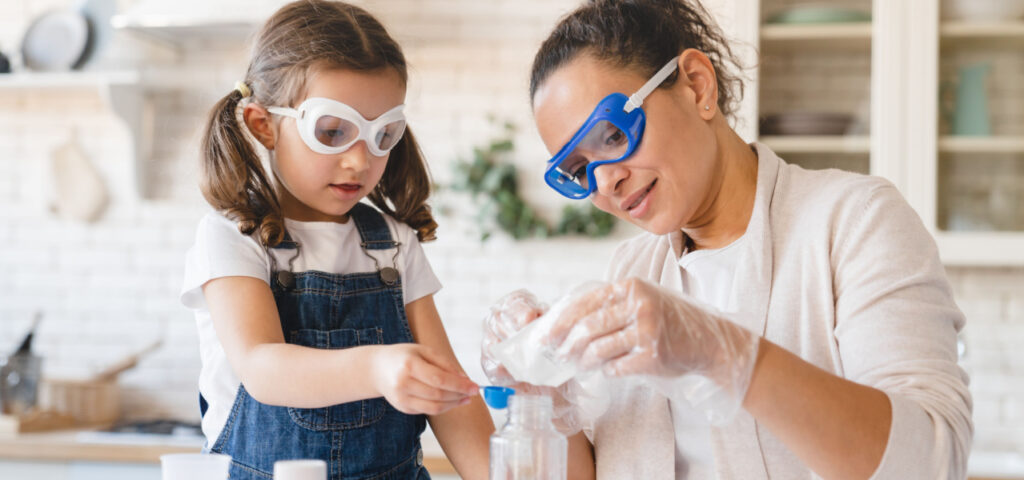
[(983, 10)]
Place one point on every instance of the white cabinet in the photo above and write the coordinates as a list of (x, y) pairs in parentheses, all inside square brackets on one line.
[(938, 108)]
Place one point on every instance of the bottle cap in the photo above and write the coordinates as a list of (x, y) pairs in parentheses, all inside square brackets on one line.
[(497, 397)]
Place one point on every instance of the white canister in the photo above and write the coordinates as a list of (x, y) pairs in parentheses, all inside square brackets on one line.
[(195, 466), (300, 470)]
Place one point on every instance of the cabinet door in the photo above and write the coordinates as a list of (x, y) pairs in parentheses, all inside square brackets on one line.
[(815, 82), (981, 122), (978, 197)]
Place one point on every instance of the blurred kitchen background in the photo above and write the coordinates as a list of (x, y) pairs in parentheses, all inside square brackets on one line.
[(99, 198)]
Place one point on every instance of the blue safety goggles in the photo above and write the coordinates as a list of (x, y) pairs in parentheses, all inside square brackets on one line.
[(610, 134)]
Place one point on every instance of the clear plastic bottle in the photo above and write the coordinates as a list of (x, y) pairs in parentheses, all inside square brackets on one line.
[(528, 447)]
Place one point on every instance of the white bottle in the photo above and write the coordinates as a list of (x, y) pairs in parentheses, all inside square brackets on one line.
[(300, 470), (528, 447)]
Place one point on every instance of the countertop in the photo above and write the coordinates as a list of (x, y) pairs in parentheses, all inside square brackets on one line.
[(96, 446)]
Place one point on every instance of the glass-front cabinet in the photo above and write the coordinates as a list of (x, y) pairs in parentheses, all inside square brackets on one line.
[(979, 175), (814, 86), (927, 93)]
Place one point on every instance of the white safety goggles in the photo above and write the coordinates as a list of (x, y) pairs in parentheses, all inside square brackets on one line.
[(329, 126)]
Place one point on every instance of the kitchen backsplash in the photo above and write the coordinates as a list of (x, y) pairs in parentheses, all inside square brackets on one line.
[(109, 288)]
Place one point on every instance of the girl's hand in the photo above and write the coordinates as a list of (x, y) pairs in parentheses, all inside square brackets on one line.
[(416, 379)]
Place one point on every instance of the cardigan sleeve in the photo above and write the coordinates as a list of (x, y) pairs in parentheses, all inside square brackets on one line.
[(896, 328)]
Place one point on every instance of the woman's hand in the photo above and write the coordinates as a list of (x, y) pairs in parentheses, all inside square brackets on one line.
[(418, 380), (509, 315), (634, 327)]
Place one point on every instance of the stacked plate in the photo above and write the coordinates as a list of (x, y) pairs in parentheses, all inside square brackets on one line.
[(806, 123), (819, 13), (55, 41), (983, 10), (64, 39)]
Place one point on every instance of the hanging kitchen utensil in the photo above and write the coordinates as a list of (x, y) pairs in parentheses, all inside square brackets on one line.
[(111, 372), (79, 191), (5, 63), (25, 347), (19, 377)]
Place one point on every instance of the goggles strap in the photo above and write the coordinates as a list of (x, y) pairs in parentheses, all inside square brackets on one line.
[(637, 99)]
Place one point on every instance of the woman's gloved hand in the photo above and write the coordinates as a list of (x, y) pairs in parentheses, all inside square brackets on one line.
[(507, 316), (634, 327)]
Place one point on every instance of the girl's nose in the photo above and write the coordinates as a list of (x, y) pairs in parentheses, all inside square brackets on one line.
[(357, 157)]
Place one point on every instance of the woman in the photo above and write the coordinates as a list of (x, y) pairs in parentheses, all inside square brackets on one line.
[(838, 329)]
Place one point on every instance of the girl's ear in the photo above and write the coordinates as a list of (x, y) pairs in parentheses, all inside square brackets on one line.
[(258, 120)]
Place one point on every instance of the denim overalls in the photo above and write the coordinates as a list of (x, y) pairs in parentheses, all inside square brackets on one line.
[(366, 439)]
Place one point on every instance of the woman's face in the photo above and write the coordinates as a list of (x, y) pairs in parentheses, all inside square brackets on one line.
[(666, 183), (319, 187)]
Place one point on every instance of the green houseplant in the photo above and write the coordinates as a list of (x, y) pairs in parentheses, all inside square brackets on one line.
[(490, 179)]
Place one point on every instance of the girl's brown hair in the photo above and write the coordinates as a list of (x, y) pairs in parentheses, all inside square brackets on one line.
[(641, 35), (301, 38)]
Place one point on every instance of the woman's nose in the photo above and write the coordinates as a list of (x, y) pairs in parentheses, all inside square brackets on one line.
[(609, 177)]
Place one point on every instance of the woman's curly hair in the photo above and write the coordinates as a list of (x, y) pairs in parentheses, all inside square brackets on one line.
[(640, 35)]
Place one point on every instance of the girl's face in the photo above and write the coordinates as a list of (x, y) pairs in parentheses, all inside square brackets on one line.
[(666, 184), (319, 187)]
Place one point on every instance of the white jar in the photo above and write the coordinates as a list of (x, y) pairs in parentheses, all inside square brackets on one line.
[(300, 470)]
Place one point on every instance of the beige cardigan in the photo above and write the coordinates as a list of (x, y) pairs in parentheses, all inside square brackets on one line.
[(841, 271)]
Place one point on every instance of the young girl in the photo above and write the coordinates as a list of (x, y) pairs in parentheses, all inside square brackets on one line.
[(312, 306)]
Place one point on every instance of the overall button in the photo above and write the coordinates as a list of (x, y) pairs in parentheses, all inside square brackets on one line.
[(286, 279), (389, 275)]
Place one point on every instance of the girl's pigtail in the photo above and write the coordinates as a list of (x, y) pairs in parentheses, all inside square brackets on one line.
[(233, 179), (403, 190)]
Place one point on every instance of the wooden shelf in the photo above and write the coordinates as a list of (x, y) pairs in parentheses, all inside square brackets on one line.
[(66, 80), (986, 34), (818, 144), (810, 36), (954, 144), (981, 248)]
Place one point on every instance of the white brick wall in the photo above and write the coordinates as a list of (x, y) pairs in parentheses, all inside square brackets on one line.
[(111, 287)]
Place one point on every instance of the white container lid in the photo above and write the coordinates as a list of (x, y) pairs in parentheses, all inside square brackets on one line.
[(300, 470)]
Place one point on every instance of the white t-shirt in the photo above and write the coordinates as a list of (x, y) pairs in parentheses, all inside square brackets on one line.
[(222, 251), (708, 276)]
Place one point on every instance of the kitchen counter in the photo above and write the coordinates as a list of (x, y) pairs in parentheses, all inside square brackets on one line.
[(104, 447), (76, 445)]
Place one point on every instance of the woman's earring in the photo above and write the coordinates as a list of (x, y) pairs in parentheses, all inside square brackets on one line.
[(707, 107)]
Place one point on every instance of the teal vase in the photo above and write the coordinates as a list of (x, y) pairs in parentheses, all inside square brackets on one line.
[(970, 111)]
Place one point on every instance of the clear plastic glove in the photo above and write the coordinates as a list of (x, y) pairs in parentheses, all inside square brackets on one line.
[(508, 316), (634, 327)]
